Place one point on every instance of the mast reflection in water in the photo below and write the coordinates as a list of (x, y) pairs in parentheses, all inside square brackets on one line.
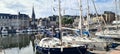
[(17, 44)]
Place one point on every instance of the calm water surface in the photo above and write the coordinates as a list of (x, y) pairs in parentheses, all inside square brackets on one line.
[(17, 44)]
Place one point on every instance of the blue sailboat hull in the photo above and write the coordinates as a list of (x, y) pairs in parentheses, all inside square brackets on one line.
[(70, 50)]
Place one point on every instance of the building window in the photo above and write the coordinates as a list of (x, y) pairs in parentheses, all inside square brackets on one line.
[(8, 17), (1, 17), (5, 17), (13, 17)]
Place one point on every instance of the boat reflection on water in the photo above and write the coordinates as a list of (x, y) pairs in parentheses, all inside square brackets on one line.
[(17, 44)]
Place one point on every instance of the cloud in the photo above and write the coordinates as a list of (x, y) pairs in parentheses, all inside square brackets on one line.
[(3, 8), (44, 8)]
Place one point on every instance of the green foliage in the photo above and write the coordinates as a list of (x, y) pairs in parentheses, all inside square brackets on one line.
[(67, 20)]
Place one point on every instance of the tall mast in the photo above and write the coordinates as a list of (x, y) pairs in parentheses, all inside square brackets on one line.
[(80, 23), (96, 13), (95, 9), (88, 16), (116, 10), (119, 9), (116, 19), (60, 25)]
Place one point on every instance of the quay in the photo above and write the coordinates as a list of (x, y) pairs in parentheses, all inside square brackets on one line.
[(111, 51), (1, 52), (105, 52)]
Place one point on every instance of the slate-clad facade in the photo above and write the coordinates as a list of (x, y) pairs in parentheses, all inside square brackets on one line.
[(20, 21)]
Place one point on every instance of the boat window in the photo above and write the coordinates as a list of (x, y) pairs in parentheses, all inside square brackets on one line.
[(69, 43), (112, 28), (64, 34), (58, 44), (47, 39)]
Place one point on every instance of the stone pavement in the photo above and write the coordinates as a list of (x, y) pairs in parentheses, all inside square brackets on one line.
[(114, 52)]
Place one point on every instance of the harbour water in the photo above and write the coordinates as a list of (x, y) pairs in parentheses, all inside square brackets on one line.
[(24, 44), (17, 44)]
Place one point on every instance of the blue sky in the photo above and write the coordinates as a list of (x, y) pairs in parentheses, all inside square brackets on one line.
[(44, 8)]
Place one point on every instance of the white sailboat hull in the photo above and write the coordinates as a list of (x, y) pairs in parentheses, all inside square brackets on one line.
[(109, 34), (4, 32)]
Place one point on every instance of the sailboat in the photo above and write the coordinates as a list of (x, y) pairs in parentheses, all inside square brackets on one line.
[(83, 34), (53, 45), (111, 31)]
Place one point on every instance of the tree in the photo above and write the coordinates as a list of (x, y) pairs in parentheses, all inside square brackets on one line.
[(64, 21), (70, 21), (67, 21)]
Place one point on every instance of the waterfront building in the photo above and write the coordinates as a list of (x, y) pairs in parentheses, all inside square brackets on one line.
[(44, 23), (20, 21), (53, 21), (75, 23), (109, 16), (48, 21)]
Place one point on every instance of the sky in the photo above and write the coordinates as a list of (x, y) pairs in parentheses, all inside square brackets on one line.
[(45, 8)]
